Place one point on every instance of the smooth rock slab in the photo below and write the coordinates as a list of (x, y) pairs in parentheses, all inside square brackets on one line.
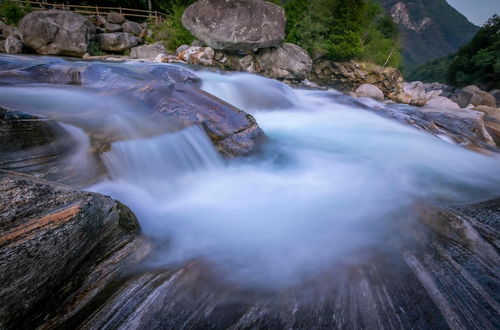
[(236, 24)]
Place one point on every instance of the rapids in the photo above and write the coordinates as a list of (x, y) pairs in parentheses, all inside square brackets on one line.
[(331, 182)]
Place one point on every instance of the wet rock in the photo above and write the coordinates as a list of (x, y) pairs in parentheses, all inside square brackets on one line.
[(59, 247), (117, 42), (238, 24), (288, 61), (132, 28), (115, 18), (12, 45), (492, 121), (368, 90), (347, 76), (148, 51), (54, 32), (480, 97), (97, 20), (198, 55), (110, 27)]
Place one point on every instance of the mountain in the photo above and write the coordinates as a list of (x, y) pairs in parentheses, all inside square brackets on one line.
[(429, 29)]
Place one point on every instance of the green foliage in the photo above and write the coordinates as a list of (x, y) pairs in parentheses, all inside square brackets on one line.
[(342, 30), (12, 12), (94, 49), (476, 63), (170, 31)]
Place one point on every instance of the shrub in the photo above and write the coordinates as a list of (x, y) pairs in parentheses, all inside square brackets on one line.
[(12, 11)]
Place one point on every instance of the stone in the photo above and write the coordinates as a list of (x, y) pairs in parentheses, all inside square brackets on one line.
[(13, 45), (148, 51), (10, 30), (99, 30), (110, 27), (198, 55), (53, 32), (461, 97), (347, 76), (492, 121), (496, 94), (117, 42), (197, 43), (480, 97), (59, 247), (115, 18), (288, 61), (181, 48), (371, 91), (97, 20), (236, 25), (441, 102), (2, 46), (132, 28)]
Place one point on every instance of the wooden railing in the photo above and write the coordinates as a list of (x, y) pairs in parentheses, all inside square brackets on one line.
[(95, 10)]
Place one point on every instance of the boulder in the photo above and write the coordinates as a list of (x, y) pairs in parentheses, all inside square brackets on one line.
[(496, 94), (347, 76), (97, 20), (59, 247), (181, 48), (237, 24), (371, 91), (148, 51), (441, 102), (110, 27), (132, 28), (491, 121), (480, 97), (288, 61), (115, 18), (13, 45), (117, 42), (197, 55), (461, 97), (10, 30), (197, 42), (54, 32)]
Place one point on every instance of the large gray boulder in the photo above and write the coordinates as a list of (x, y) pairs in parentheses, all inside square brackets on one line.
[(132, 27), (54, 32), (288, 61), (148, 51), (236, 24), (117, 42)]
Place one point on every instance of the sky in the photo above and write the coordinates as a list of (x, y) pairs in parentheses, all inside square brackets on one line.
[(477, 11)]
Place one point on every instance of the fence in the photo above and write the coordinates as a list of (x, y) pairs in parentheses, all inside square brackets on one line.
[(95, 10)]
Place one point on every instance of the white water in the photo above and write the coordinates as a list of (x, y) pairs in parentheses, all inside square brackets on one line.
[(332, 181)]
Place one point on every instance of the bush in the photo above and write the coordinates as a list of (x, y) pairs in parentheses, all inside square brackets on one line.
[(12, 12), (170, 31)]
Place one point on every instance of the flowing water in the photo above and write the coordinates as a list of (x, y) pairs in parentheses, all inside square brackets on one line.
[(331, 182)]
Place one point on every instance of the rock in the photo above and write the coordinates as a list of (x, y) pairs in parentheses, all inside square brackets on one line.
[(288, 61), (115, 18), (99, 30), (496, 94), (110, 27), (368, 90), (10, 30), (59, 248), (492, 121), (441, 102), (181, 48), (2, 46), (416, 92), (480, 97), (461, 97), (347, 76), (148, 51), (197, 43), (198, 55), (132, 28), (238, 24), (13, 45), (117, 42), (97, 20), (54, 32)]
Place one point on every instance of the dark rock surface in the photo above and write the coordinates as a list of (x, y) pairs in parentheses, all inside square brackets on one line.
[(59, 247), (54, 32), (236, 24)]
